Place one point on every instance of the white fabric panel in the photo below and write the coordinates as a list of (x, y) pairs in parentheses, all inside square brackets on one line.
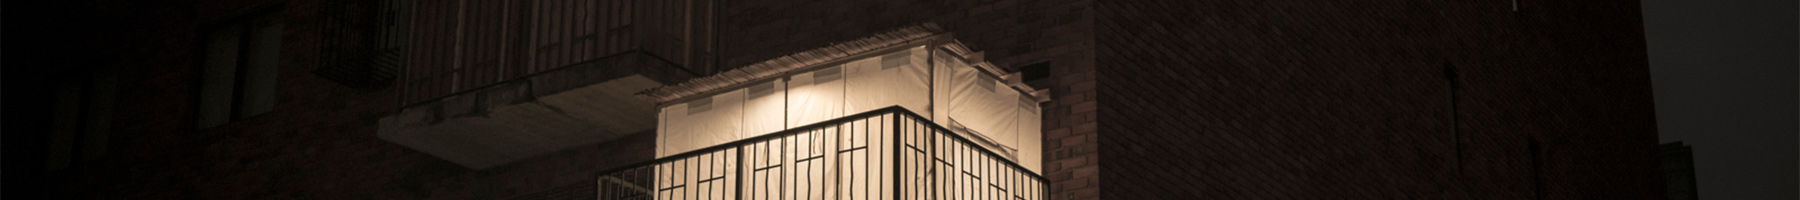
[(1003, 118), (815, 96), (898, 78), (1031, 135), (961, 97), (662, 131), (981, 103), (943, 85), (704, 122), (763, 108)]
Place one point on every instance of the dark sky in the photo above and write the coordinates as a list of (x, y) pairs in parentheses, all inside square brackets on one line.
[(1724, 74)]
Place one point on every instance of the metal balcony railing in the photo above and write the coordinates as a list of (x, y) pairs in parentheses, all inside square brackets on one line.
[(888, 153)]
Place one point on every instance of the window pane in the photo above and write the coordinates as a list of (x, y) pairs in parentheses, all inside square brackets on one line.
[(218, 77), (99, 113), (65, 121), (260, 70)]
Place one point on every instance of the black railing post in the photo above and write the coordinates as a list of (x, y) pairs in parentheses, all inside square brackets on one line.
[(837, 166), (740, 172), (897, 166)]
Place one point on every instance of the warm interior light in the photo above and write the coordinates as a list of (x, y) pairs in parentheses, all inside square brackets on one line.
[(878, 154)]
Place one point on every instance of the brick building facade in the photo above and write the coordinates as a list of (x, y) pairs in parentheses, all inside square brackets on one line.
[(1153, 99), (1374, 100)]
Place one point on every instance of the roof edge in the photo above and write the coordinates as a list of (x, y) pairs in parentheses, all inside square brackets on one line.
[(791, 62)]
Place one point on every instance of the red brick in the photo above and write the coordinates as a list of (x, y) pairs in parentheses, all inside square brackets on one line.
[(1086, 128), (1352, 103)]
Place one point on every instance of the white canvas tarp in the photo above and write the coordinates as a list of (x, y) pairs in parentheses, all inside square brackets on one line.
[(941, 77), (898, 78), (701, 123), (764, 108), (856, 162), (1031, 137), (1002, 118), (980, 103), (815, 96)]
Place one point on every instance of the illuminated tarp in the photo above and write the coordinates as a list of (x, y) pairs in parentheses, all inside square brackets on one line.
[(897, 78), (764, 107), (821, 148), (815, 96), (1030, 139), (978, 106), (702, 122)]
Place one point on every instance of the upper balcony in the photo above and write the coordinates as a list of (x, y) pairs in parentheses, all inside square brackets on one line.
[(489, 82)]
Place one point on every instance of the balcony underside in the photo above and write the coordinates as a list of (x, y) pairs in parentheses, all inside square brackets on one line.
[(576, 105)]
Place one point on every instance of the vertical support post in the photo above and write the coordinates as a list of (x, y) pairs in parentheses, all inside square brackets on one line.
[(837, 167), (740, 171), (897, 166), (931, 158)]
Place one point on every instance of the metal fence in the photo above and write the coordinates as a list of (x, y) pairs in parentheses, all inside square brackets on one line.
[(889, 153), (364, 41)]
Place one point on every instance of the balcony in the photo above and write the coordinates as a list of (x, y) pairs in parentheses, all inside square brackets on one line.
[(916, 68), (887, 153), (571, 106), (490, 82)]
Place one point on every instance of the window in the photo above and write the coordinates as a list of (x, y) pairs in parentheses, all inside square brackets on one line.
[(238, 76), (362, 43), (81, 118), (1035, 72)]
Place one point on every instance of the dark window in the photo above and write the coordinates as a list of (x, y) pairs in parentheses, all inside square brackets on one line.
[(81, 118), (362, 43), (1035, 71), (238, 76)]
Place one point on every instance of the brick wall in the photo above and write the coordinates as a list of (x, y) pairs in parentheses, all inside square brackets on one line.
[(318, 143), (1350, 100)]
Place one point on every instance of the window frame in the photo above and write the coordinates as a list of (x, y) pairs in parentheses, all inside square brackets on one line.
[(248, 23)]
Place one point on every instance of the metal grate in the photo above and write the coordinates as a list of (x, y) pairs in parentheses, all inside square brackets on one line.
[(890, 153), (364, 41)]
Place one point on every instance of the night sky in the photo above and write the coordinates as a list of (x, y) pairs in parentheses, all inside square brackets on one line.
[(1724, 73)]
